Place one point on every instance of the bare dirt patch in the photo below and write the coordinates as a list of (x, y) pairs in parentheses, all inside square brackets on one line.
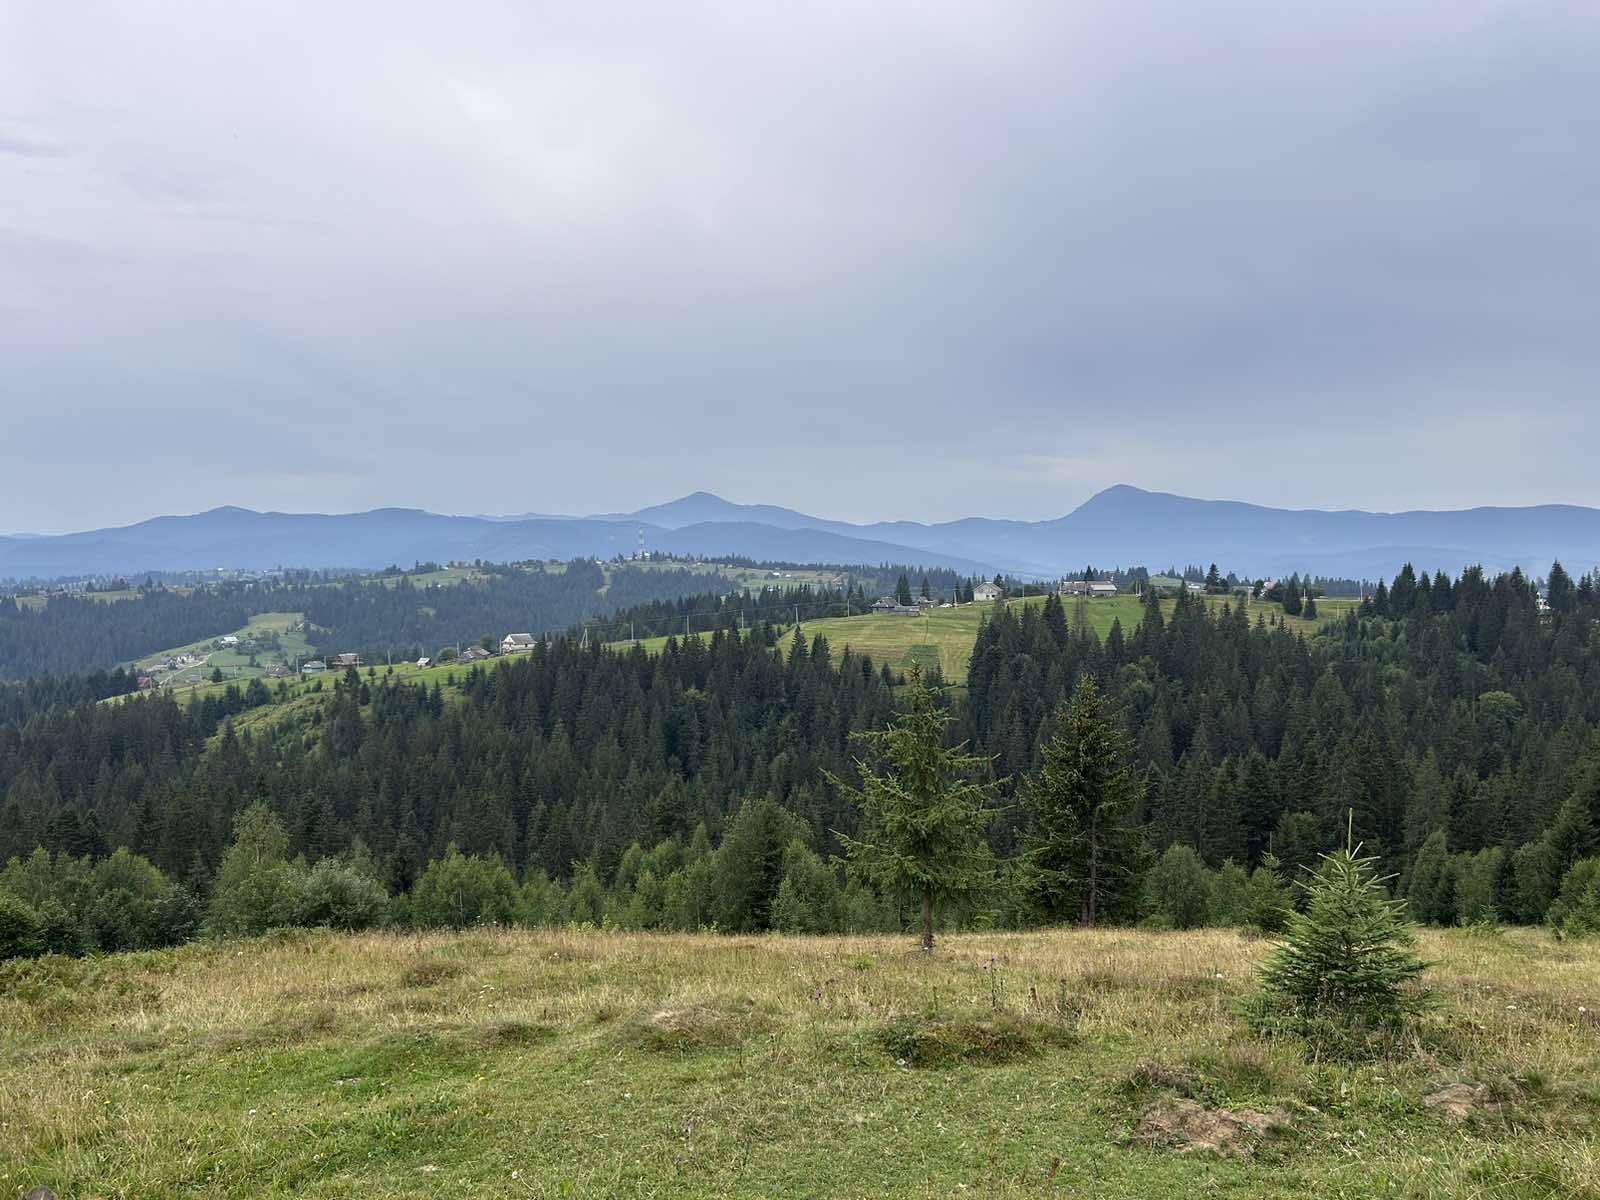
[(1460, 1102), (691, 1029), (1186, 1128), (429, 971)]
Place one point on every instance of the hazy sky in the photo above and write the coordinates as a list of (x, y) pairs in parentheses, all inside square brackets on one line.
[(911, 259)]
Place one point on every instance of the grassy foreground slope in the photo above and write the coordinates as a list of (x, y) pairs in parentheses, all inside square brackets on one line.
[(590, 1064)]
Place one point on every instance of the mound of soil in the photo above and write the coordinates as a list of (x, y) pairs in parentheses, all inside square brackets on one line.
[(1461, 1101), (1185, 1127)]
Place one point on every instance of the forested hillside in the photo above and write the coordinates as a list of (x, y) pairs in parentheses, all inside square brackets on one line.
[(1449, 725), (74, 634)]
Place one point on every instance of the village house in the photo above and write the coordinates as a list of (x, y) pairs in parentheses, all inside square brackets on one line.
[(1088, 587), (228, 640), (517, 643), (424, 661), (986, 591), (474, 654), (315, 667), (342, 661), (891, 606)]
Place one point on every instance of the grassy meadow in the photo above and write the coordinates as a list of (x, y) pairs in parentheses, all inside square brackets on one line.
[(945, 636), (235, 662), (581, 1063)]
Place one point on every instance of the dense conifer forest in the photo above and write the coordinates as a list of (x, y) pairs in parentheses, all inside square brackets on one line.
[(1449, 726)]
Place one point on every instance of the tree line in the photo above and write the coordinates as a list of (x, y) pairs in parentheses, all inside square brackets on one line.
[(1452, 735), (400, 618)]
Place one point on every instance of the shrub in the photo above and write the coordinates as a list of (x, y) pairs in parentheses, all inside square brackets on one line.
[(1177, 891), (543, 901), (255, 887), (1477, 884), (808, 899), (339, 897), (1576, 911), (461, 890), (586, 898), (61, 933), (1269, 905), (21, 932), (1230, 895)]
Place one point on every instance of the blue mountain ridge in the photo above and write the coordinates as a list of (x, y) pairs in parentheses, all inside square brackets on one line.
[(1122, 525)]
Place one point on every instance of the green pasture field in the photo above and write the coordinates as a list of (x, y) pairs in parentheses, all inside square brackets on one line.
[(578, 1063), (447, 577), (947, 635), (234, 664), (37, 600)]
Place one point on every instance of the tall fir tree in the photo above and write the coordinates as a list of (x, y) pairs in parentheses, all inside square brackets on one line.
[(924, 811), (1082, 852)]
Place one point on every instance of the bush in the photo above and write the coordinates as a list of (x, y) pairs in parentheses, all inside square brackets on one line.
[(1230, 895), (256, 887), (1348, 962), (21, 931), (461, 890), (586, 899), (336, 896), (543, 902), (1576, 911), (62, 934), (1269, 905), (1477, 885), (808, 899), (1177, 891)]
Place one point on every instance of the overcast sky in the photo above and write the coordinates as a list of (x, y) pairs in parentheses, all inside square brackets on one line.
[(916, 260)]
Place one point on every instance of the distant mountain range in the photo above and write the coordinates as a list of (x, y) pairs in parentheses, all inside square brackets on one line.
[(1121, 526)]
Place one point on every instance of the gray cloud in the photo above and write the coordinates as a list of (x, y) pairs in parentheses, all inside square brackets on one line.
[(24, 147), (899, 260)]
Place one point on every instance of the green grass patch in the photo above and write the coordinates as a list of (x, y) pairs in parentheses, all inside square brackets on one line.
[(566, 1063)]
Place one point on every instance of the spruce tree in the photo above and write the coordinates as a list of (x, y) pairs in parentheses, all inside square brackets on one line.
[(1432, 890), (1560, 593), (1291, 596), (1349, 960), (902, 590), (1082, 852), (923, 812)]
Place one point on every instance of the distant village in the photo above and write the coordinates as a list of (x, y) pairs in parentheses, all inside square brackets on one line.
[(190, 666)]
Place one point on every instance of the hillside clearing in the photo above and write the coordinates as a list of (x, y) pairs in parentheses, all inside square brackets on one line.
[(948, 634), (567, 1063)]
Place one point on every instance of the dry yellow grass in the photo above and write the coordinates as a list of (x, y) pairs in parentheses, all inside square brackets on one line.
[(585, 1063)]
